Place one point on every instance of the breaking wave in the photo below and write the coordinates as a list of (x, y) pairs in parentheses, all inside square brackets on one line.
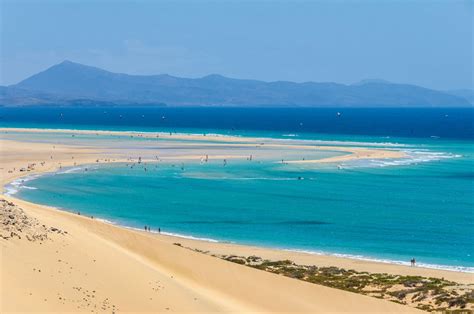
[(413, 156)]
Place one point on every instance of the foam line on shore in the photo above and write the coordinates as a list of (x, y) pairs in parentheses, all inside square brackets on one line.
[(413, 156), (14, 187), (462, 269), (172, 234)]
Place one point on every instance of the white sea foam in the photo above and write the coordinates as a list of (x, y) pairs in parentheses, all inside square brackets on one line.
[(413, 156), (76, 169), (28, 187), (105, 221), (70, 170), (14, 186), (10, 190), (337, 142), (464, 269), (177, 235)]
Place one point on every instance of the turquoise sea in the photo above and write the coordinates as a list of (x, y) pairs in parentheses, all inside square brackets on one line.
[(391, 210)]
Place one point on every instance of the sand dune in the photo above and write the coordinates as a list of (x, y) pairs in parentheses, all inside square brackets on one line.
[(99, 267)]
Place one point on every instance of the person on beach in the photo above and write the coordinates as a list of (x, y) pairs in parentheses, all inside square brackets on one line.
[(145, 228), (159, 230)]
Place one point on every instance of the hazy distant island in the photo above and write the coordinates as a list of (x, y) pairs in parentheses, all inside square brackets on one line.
[(74, 84)]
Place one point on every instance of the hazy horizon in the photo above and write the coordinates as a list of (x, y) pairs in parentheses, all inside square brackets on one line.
[(341, 42)]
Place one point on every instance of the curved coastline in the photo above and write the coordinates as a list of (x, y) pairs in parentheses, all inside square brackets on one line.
[(181, 236)]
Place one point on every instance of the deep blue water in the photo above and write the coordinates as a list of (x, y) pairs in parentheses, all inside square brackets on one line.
[(456, 123)]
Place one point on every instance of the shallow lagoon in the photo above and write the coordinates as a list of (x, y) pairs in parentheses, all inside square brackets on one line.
[(392, 213)]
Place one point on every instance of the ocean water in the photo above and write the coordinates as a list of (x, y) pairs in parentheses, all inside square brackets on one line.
[(390, 210), (455, 123)]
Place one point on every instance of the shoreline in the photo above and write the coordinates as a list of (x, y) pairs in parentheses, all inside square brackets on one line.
[(182, 236), (179, 236), (216, 285), (274, 253)]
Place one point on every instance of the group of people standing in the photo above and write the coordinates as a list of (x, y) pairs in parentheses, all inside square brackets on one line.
[(147, 228)]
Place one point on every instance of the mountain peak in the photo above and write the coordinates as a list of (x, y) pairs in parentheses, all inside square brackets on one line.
[(64, 78), (66, 62)]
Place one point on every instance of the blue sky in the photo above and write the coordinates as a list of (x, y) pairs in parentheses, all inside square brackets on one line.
[(429, 43)]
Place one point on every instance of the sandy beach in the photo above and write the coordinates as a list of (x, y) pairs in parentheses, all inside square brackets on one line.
[(63, 262)]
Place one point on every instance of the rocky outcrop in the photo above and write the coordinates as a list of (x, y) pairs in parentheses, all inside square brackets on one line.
[(16, 224)]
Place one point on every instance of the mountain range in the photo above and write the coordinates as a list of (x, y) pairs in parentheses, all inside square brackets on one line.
[(70, 83)]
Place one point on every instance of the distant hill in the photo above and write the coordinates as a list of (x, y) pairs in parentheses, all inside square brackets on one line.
[(467, 94), (70, 83)]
